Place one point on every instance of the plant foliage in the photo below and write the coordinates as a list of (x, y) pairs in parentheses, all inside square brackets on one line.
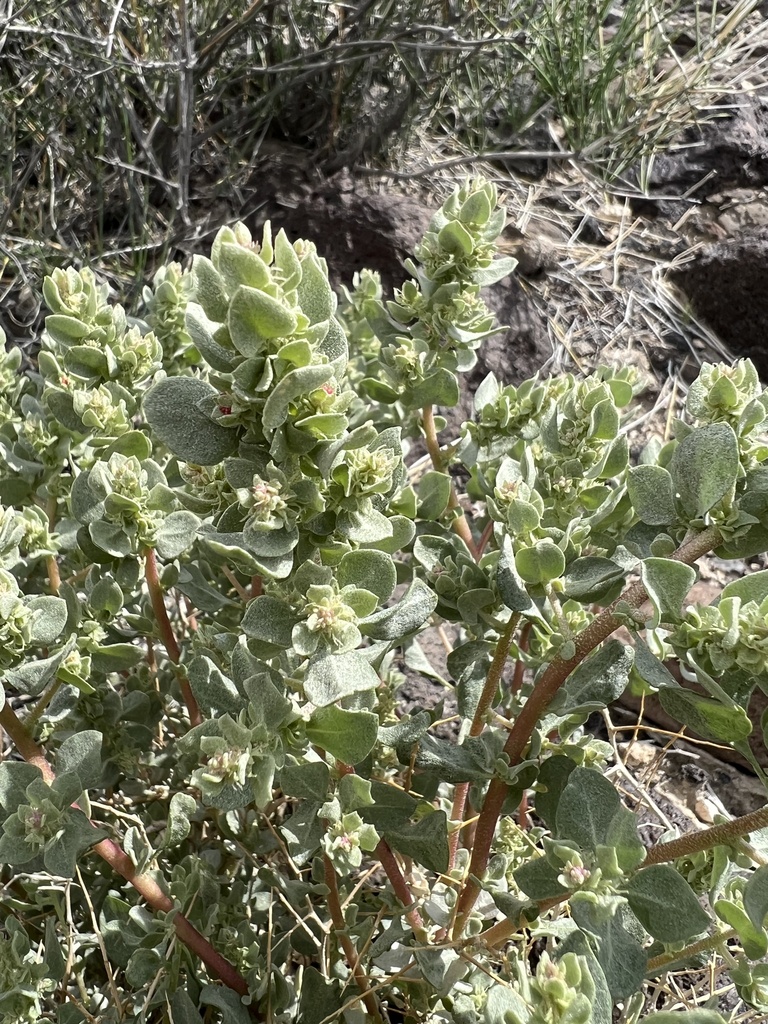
[(213, 562)]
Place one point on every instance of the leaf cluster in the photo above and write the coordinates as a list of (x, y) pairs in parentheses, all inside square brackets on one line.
[(215, 566)]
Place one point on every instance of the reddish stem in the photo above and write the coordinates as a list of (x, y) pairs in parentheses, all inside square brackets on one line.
[(490, 687), (52, 566), (110, 852), (535, 707), (459, 525), (400, 886), (152, 893), (340, 927), (167, 635), (485, 536), (517, 678), (717, 835)]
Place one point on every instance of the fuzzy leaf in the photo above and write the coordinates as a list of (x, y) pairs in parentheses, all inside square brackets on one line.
[(511, 587), (334, 676), (596, 682), (426, 841), (50, 616), (587, 806), (315, 294), (55, 962), (439, 388), (178, 826), (411, 611), (321, 999), (704, 467), (77, 836), (209, 289), (752, 587), (496, 271), (619, 953), (591, 578), (552, 780), (270, 620), (706, 716), (116, 657), (199, 330), (308, 781), (650, 669), (238, 265), (434, 492), (297, 382), (111, 538), (31, 677), (754, 941), (369, 570), (171, 407), (665, 904), (542, 562), (81, 753), (228, 1003), (668, 583), (538, 879), (652, 494), (15, 776), (756, 896), (347, 735), (255, 318), (212, 688), (354, 792), (183, 1010), (177, 534)]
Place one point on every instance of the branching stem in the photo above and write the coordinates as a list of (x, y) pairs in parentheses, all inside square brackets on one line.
[(340, 927), (167, 635), (657, 963), (717, 835), (492, 680), (535, 707), (400, 886), (113, 855), (459, 525)]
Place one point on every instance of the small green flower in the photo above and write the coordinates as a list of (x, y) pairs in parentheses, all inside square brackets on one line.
[(329, 622), (208, 484), (101, 411), (267, 501), (166, 303), (346, 839), (727, 636), (562, 991), (16, 621)]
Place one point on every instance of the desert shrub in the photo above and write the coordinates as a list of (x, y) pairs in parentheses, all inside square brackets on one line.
[(215, 566), (122, 122)]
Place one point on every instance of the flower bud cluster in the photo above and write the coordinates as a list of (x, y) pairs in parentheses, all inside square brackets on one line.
[(166, 303), (346, 837), (91, 340), (730, 635)]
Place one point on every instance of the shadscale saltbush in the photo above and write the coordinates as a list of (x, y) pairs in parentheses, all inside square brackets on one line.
[(214, 566)]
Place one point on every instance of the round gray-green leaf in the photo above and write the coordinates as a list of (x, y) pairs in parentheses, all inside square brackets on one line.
[(652, 494), (704, 467), (50, 616), (371, 570), (177, 534), (171, 408), (666, 905), (338, 675), (348, 735)]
